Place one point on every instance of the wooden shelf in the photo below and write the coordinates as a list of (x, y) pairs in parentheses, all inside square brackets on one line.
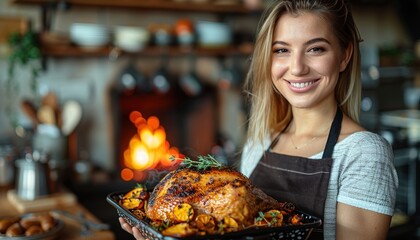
[(173, 51), (166, 5), (70, 50)]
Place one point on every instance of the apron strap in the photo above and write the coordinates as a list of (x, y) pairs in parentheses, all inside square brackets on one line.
[(334, 133)]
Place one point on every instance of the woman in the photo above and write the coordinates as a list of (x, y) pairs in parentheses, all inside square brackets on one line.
[(305, 143)]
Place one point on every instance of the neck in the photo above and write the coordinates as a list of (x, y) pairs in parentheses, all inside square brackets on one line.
[(311, 123)]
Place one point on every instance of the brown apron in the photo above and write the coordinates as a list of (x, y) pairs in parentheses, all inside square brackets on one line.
[(301, 181)]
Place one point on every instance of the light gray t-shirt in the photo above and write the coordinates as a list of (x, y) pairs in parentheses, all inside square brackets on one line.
[(362, 175)]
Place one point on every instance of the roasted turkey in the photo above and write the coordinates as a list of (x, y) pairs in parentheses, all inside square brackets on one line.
[(219, 192)]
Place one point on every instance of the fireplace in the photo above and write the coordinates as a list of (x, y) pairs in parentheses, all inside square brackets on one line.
[(189, 122)]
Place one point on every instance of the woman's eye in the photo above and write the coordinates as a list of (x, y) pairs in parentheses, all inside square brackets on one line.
[(280, 50), (316, 50)]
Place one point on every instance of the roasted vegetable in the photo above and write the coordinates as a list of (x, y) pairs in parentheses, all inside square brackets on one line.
[(132, 203), (205, 222), (183, 212), (139, 191), (179, 230), (270, 218)]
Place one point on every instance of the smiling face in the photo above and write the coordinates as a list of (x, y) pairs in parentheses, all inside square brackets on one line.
[(306, 60)]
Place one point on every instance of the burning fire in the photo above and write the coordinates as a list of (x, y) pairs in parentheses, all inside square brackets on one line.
[(148, 149)]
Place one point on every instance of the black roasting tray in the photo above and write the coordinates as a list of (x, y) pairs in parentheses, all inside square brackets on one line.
[(285, 232)]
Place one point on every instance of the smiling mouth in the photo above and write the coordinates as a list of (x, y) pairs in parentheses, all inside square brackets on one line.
[(302, 84)]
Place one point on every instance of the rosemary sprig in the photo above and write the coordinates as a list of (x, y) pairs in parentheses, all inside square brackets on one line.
[(202, 162)]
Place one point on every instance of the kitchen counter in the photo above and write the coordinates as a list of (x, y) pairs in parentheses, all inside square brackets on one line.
[(71, 230)]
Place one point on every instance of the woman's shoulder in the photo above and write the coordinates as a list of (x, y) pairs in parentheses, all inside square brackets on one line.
[(365, 145), (364, 138), (353, 133)]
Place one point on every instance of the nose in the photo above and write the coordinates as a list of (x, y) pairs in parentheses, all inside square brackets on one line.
[(298, 65)]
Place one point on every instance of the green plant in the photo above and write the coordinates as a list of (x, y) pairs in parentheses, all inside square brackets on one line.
[(25, 53)]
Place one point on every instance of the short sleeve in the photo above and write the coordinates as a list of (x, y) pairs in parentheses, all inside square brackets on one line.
[(251, 155), (368, 178)]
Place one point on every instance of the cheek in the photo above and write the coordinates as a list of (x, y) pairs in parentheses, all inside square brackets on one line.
[(328, 67), (278, 69)]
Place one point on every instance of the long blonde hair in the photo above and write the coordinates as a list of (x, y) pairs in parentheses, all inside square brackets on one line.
[(269, 111)]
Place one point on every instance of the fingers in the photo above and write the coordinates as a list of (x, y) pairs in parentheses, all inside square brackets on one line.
[(137, 234), (125, 225), (132, 230)]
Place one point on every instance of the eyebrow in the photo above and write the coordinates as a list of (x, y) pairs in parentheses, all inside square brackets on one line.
[(312, 41)]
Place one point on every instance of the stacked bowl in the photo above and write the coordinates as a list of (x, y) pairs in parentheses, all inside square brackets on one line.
[(213, 34), (130, 38), (89, 35)]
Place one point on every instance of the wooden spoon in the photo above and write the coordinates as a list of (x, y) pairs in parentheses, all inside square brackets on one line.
[(71, 116), (46, 114), (30, 110), (50, 99)]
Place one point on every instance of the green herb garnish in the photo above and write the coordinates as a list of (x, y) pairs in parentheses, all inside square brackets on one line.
[(139, 185), (161, 226), (261, 218), (202, 162)]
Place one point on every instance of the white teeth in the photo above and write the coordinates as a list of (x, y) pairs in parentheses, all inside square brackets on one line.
[(301, 84)]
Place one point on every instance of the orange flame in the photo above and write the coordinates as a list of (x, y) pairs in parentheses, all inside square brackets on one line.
[(148, 149)]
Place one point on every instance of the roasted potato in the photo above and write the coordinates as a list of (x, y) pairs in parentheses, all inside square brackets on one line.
[(205, 222), (138, 192), (27, 225), (14, 230), (47, 222), (6, 223), (183, 212), (132, 203), (179, 230), (33, 230), (29, 222)]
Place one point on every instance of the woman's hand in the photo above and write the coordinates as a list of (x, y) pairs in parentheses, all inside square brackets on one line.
[(132, 230)]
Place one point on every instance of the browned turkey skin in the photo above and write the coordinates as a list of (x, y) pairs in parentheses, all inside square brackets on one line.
[(216, 192)]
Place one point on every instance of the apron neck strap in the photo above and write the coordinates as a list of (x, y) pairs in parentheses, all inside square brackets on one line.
[(334, 133)]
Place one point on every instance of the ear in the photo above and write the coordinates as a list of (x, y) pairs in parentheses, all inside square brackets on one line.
[(345, 58)]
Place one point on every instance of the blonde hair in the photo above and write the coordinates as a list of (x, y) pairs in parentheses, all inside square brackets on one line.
[(269, 111)]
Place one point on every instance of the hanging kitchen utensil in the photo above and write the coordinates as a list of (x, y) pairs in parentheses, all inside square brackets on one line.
[(189, 81), (132, 79), (230, 75), (161, 79), (71, 115)]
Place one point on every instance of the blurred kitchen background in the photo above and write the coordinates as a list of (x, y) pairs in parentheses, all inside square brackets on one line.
[(118, 86)]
